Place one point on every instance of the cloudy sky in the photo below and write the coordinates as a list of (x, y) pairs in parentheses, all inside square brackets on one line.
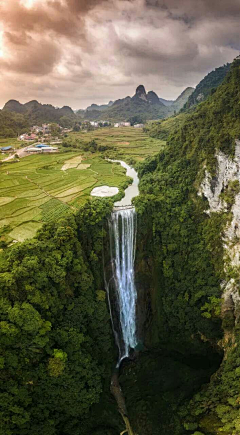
[(76, 52)]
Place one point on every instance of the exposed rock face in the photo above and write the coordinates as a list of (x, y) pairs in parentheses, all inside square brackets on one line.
[(140, 93), (211, 187)]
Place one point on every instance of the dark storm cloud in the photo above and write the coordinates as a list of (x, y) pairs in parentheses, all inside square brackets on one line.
[(83, 51), (198, 8)]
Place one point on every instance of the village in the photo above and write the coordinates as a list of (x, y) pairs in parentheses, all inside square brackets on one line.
[(40, 138), (47, 137)]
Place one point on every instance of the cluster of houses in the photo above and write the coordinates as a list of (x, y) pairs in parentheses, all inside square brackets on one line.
[(98, 124), (43, 131)]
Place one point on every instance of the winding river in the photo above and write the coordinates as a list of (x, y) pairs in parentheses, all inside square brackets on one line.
[(132, 190)]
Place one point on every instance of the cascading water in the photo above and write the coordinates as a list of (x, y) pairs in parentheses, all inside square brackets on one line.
[(120, 282), (122, 226)]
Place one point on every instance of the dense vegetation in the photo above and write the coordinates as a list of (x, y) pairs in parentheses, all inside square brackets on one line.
[(164, 128), (207, 86), (56, 340), (12, 124), (182, 262)]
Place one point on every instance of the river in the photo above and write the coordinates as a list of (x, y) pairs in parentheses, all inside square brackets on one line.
[(132, 190)]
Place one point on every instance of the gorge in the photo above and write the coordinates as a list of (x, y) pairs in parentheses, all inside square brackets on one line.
[(58, 352)]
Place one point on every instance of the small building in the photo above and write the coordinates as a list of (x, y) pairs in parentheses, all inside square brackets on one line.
[(138, 125), (116, 125), (6, 149), (41, 145), (33, 150)]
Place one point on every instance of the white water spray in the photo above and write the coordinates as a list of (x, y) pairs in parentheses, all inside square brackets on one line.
[(123, 245)]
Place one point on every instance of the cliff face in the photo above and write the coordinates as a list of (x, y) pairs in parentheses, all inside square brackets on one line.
[(223, 194)]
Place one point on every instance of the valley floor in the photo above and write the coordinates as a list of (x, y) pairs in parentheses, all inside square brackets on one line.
[(41, 188)]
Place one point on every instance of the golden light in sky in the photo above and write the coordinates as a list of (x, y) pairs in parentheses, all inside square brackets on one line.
[(28, 3)]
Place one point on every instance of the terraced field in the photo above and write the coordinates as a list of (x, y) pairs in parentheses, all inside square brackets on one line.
[(127, 142), (41, 188), (37, 189)]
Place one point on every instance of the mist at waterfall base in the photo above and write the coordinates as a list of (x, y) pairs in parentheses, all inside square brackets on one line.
[(123, 297)]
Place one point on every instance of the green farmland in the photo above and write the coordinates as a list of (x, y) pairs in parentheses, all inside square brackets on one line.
[(125, 142), (37, 190), (40, 188)]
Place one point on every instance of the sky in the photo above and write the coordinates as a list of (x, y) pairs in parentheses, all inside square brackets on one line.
[(77, 52)]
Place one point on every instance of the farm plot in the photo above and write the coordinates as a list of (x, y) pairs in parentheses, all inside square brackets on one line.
[(126, 142), (37, 190)]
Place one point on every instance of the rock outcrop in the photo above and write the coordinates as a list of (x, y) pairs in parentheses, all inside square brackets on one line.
[(213, 188)]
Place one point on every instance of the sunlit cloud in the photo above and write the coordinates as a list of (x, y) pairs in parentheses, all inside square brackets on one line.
[(31, 3)]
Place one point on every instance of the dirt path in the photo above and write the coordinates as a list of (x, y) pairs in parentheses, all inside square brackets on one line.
[(21, 153)]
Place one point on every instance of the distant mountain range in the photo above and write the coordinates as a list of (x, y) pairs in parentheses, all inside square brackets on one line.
[(38, 113), (143, 105)]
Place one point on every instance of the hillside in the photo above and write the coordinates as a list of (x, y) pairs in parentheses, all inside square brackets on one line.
[(209, 83), (12, 124), (182, 99), (163, 128), (166, 102), (189, 238), (38, 113)]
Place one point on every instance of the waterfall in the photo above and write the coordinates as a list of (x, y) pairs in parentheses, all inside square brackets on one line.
[(122, 291)]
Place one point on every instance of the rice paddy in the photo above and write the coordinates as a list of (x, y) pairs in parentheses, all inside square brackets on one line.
[(37, 190), (125, 142), (41, 188)]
